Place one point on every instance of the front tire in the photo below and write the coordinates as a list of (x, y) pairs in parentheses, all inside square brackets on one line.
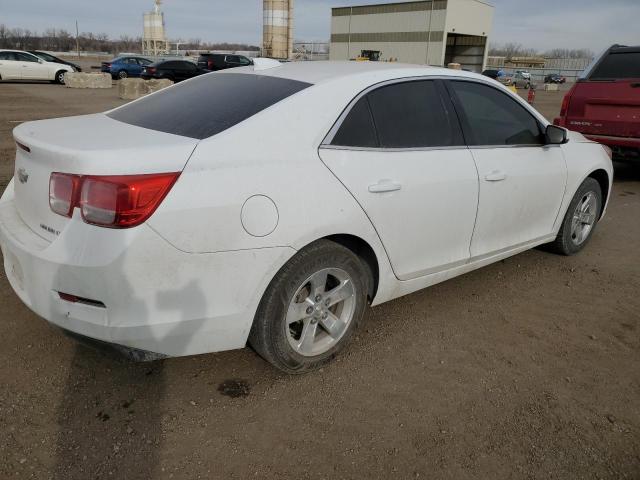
[(580, 220), (60, 77), (311, 308)]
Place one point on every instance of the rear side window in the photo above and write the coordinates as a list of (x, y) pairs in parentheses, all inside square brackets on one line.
[(618, 66), (357, 129), (402, 115), (493, 118), (207, 105), (410, 115)]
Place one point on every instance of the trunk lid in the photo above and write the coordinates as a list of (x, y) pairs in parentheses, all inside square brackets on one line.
[(85, 145)]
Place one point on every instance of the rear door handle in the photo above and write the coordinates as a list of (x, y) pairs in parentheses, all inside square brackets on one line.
[(384, 186), (495, 176)]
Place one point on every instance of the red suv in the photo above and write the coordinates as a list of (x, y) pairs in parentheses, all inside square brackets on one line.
[(604, 104)]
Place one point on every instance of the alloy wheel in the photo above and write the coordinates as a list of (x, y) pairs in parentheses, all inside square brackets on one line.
[(584, 218), (320, 312)]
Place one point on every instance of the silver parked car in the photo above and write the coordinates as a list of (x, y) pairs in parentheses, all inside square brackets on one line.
[(521, 80)]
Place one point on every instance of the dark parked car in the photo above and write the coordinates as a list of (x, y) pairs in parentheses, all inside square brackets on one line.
[(47, 57), (123, 67), (554, 78), (175, 70), (492, 73), (603, 104), (221, 61)]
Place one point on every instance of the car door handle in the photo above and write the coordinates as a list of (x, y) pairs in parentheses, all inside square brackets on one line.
[(384, 186), (635, 85), (495, 176)]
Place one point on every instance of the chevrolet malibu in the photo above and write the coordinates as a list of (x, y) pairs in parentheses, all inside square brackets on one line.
[(272, 203)]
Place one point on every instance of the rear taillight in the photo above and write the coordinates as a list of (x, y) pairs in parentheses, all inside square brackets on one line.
[(63, 191), (151, 70), (121, 201)]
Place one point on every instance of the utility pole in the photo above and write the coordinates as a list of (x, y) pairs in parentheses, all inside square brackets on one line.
[(77, 40)]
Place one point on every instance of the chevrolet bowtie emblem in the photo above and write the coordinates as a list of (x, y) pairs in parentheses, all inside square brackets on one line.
[(23, 176)]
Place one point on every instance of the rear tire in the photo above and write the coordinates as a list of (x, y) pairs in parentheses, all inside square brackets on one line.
[(311, 308), (580, 220), (122, 74)]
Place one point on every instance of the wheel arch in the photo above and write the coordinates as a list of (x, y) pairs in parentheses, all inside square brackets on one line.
[(362, 249), (602, 177)]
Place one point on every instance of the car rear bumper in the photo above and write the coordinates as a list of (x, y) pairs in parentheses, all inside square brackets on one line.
[(144, 293), (626, 142)]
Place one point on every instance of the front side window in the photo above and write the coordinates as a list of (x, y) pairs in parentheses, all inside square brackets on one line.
[(208, 104), (144, 61), (402, 115), (493, 118)]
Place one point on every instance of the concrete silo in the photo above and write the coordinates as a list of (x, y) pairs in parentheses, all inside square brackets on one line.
[(277, 39), (154, 40)]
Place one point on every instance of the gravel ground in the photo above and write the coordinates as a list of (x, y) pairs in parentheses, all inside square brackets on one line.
[(526, 369)]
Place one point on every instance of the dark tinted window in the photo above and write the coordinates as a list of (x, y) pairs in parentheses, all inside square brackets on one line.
[(410, 115), (25, 57), (494, 118), (618, 66), (7, 56), (207, 105), (357, 129), (46, 56)]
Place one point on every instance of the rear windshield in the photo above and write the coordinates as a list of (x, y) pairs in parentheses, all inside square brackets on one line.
[(207, 105), (618, 66)]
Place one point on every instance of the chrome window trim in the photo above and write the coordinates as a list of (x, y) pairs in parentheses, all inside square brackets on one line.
[(326, 142), (392, 150)]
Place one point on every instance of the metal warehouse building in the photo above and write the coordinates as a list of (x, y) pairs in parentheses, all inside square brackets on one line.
[(433, 32)]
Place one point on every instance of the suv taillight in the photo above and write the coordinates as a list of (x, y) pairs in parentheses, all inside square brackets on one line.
[(566, 101), (121, 201)]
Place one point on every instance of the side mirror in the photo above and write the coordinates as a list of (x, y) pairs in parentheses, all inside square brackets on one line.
[(556, 135)]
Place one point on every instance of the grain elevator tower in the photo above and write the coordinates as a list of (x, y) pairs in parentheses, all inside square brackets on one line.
[(277, 41)]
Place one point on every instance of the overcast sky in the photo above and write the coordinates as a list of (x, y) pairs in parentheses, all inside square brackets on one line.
[(540, 24)]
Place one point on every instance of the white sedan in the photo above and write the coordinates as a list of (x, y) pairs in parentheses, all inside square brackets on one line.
[(270, 204), (19, 65)]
